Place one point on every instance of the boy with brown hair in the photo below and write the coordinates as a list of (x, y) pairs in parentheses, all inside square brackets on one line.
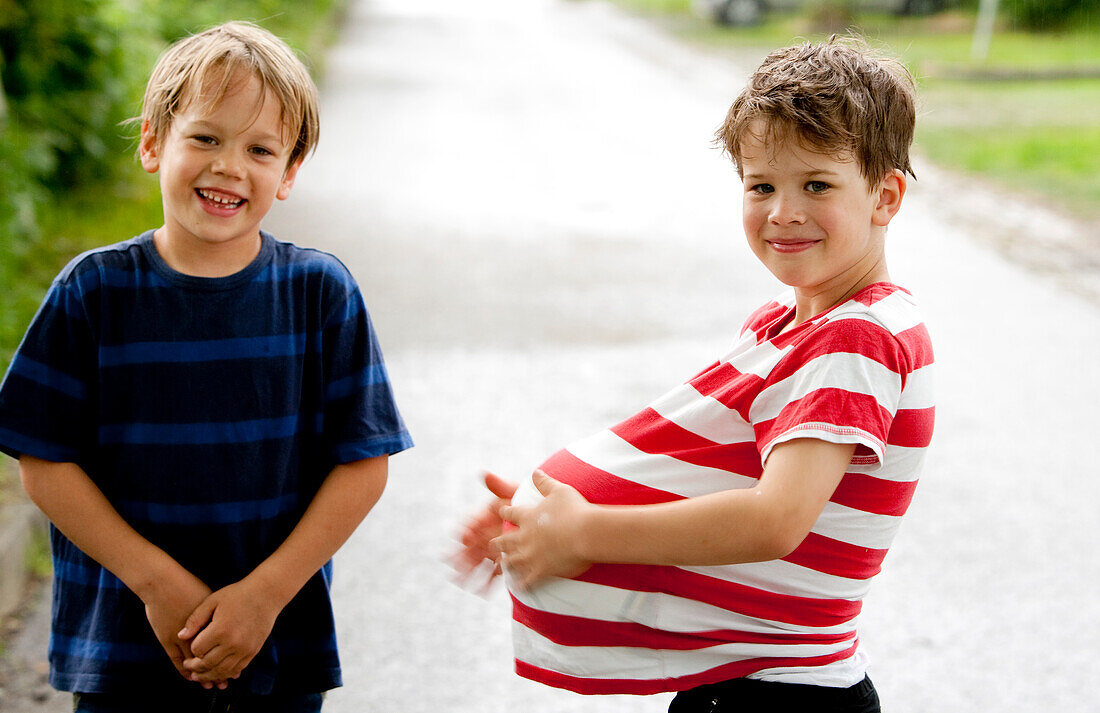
[(719, 543), (203, 412)]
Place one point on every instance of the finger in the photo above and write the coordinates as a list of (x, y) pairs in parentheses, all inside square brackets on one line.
[(499, 545), (178, 655), (543, 482), (511, 513), (227, 668), (500, 487), (198, 620)]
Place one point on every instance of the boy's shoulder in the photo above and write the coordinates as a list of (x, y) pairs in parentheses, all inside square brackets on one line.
[(125, 254), (882, 322), (305, 259), (316, 268), (891, 307)]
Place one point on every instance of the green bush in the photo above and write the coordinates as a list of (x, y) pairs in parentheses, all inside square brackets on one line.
[(71, 69), (1051, 14)]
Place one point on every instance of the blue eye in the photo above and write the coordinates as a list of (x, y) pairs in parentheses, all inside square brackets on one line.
[(763, 188), (817, 186)]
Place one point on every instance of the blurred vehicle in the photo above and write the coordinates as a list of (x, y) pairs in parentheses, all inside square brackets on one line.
[(751, 12)]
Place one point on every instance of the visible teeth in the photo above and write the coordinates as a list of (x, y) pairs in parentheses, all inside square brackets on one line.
[(219, 199)]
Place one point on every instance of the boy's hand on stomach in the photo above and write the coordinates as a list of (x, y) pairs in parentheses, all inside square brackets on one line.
[(167, 608), (546, 539), (226, 631)]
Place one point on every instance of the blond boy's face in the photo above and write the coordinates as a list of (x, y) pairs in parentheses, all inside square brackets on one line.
[(221, 171), (812, 219)]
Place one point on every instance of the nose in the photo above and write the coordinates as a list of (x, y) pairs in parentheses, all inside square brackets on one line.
[(785, 210), (227, 163)]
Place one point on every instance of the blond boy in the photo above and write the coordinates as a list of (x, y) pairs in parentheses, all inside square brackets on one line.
[(202, 411), (719, 543)]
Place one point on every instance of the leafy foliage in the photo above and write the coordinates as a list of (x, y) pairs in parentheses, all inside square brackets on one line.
[(1051, 14), (71, 72)]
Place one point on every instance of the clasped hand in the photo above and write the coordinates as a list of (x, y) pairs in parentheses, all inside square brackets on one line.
[(225, 633), (222, 631), (545, 541)]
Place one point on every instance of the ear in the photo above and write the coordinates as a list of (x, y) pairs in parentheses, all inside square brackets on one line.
[(890, 192), (148, 149), (288, 180)]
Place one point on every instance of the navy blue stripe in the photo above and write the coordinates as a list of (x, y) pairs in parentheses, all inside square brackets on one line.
[(75, 647), (348, 310), (209, 513), (179, 434), (385, 445), (86, 576), (279, 345), (18, 443), (49, 377), (280, 272), (91, 280), (373, 374)]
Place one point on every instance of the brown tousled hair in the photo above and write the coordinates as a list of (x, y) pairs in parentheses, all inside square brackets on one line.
[(836, 97), (209, 63)]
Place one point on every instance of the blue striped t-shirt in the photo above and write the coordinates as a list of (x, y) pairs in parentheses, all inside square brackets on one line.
[(208, 411)]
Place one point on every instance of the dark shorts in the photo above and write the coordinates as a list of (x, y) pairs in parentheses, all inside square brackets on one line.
[(197, 701), (748, 695)]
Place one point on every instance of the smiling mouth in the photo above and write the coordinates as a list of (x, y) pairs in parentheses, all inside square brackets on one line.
[(791, 246), (221, 200)]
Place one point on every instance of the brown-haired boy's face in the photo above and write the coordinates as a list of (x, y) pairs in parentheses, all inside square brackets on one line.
[(811, 218), (221, 170)]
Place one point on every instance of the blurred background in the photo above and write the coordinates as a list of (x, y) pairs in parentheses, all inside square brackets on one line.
[(1010, 94)]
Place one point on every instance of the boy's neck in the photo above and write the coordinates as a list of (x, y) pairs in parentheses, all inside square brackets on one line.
[(809, 305), (206, 260)]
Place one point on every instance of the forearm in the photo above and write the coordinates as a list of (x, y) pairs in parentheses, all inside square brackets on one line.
[(79, 509), (762, 523), (345, 498), (723, 528)]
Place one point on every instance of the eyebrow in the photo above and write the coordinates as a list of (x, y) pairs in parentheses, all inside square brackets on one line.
[(808, 174)]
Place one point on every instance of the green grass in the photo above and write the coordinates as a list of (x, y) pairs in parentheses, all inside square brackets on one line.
[(1042, 161), (1014, 117), (37, 558)]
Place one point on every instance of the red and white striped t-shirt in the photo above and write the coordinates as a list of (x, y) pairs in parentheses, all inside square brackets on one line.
[(859, 373)]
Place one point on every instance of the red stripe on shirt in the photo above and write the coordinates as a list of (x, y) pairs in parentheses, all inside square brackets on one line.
[(741, 598), (828, 406), (877, 292), (650, 432), (868, 339), (729, 387), (912, 428), (569, 630), (841, 559), (874, 495), (918, 346), (609, 686), (600, 487)]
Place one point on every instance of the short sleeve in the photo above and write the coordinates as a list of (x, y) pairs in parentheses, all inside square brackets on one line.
[(47, 394), (361, 419), (842, 383)]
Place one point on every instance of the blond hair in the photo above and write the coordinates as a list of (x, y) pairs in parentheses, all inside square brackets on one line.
[(837, 97), (208, 64)]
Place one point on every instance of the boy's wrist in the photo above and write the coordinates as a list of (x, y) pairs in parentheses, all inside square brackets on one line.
[(156, 574), (272, 584), (585, 535)]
